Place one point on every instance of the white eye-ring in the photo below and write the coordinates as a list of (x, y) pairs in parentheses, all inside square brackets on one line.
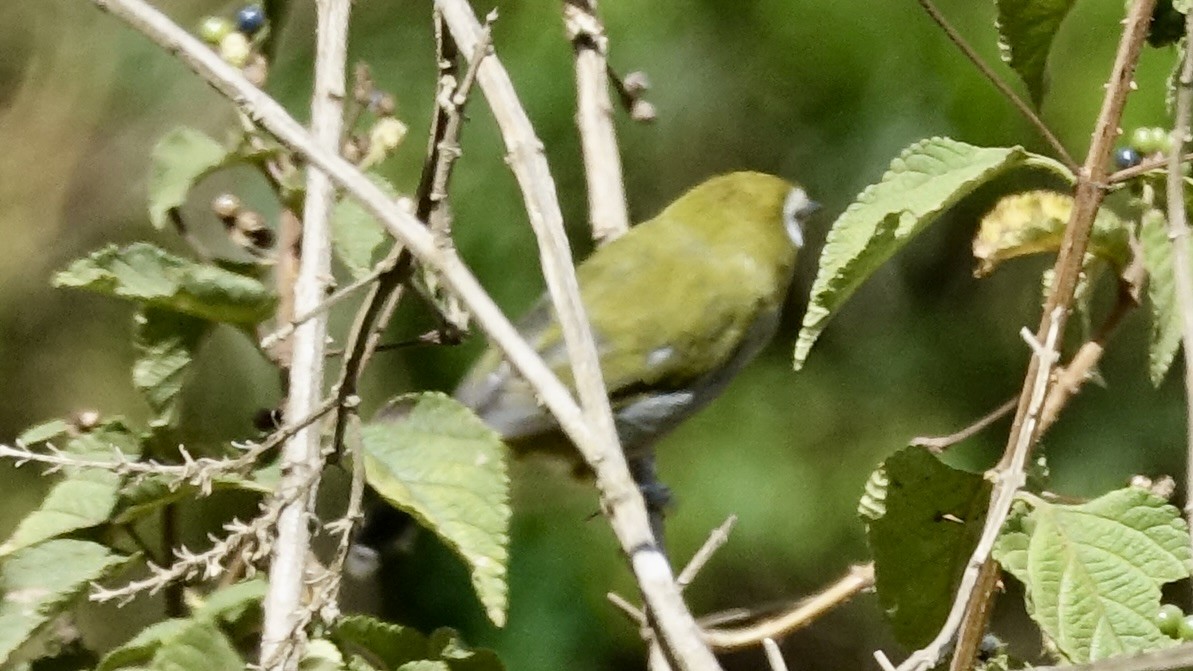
[(796, 209)]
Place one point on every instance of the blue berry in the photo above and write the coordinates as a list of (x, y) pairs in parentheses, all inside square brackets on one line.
[(250, 19), (1126, 157)]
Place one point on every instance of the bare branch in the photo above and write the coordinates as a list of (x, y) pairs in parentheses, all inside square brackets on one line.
[(594, 117), (715, 540), (302, 456)]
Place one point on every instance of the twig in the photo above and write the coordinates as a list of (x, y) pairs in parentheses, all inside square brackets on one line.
[(596, 441), (674, 625), (1021, 105), (971, 606), (774, 656), (1008, 481), (858, 579), (939, 444), (715, 540), (594, 118), (1178, 233), (1144, 167), (286, 331), (302, 459)]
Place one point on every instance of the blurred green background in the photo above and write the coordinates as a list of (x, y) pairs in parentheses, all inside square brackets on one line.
[(823, 92)]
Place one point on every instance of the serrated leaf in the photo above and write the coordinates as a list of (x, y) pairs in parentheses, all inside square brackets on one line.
[(155, 278), (140, 648), (198, 645), (166, 343), (1161, 292), (44, 432), (445, 644), (359, 241), (321, 655), (445, 467), (1093, 572), (39, 582), (230, 604), (85, 497), (1026, 29), (181, 158), (924, 181), (391, 644), (1034, 222), (923, 520)]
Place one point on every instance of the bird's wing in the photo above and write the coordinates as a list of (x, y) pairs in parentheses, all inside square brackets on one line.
[(677, 309)]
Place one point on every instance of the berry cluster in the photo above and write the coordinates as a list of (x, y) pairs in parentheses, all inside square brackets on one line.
[(1173, 622), (237, 39), (1145, 142)]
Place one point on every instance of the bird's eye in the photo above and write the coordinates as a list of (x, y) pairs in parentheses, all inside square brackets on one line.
[(796, 209)]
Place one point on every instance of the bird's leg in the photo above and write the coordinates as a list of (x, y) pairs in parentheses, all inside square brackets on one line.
[(656, 494)]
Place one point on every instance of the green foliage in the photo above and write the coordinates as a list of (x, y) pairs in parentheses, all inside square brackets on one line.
[(1026, 29), (152, 277), (381, 645), (38, 583), (85, 497), (181, 159), (166, 343), (443, 465), (1093, 572), (926, 179), (923, 520), (359, 241), (1161, 292), (192, 643)]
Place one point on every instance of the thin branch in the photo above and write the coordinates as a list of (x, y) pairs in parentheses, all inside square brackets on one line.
[(1168, 659), (595, 440), (594, 117), (807, 611), (714, 542), (674, 625), (939, 444), (1144, 167), (1020, 104), (288, 330), (774, 656), (302, 459), (1178, 233)]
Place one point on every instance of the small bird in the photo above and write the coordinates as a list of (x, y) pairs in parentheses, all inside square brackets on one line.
[(678, 305)]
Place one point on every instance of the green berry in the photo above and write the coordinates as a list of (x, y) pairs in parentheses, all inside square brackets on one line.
[(214, 29), (236, 49), (1168, 619), (1185, 630)]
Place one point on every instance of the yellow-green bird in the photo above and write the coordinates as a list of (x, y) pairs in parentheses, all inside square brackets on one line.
[(678, 305)]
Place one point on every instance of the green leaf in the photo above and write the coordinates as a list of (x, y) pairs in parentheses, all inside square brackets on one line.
[(391, 644), (39, 582), (44, 432), (321, 655), (1093, 572), (166, 344), (153, 277), (85, 497), (198, 645), (444, 466), (1161, 293), (927, 178), (231, 604), (923, 520), (181, 159), (398, 647), (1034, 222), (359, 241), (149, 494), (140, 648), (1026, 29)]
